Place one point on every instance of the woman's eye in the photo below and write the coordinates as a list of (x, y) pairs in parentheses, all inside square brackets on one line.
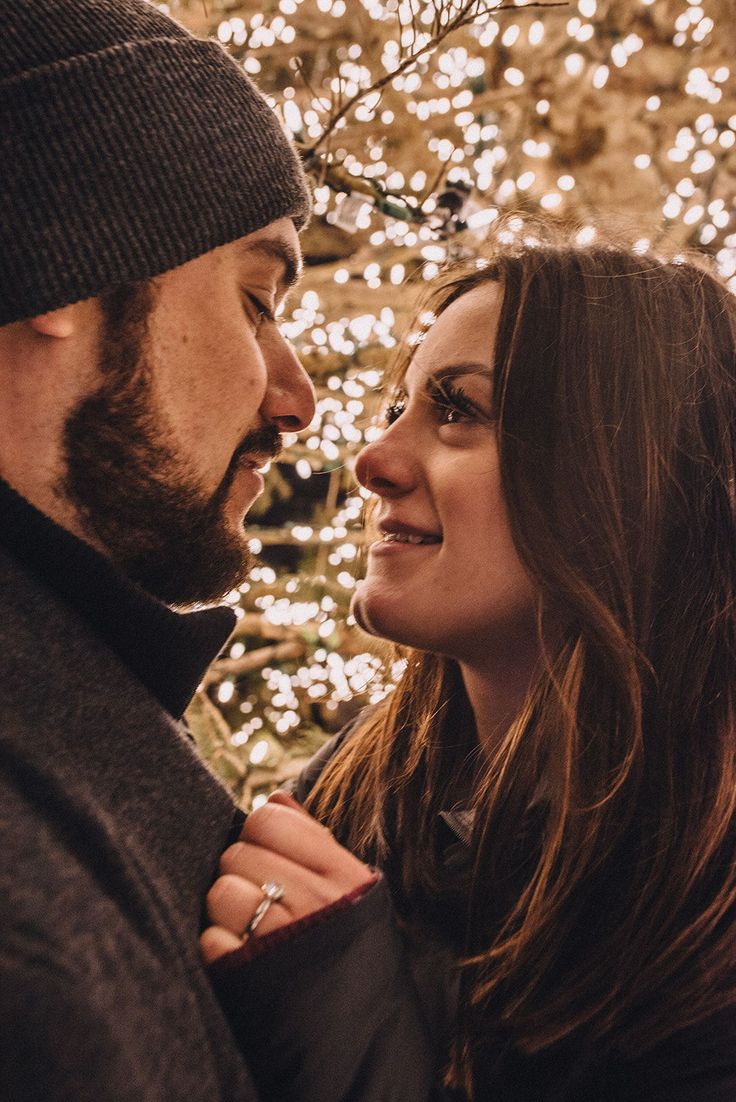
[(449, 404), (394, 411), (452, 404)]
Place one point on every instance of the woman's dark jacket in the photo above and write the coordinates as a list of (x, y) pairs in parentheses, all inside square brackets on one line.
[(695, 1065)]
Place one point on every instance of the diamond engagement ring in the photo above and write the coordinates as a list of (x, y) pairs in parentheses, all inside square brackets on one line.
[(272, 892)]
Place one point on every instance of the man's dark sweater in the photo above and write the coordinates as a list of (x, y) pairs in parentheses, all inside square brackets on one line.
[(112, 828)]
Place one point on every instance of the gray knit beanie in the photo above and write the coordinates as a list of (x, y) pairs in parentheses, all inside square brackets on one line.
[(127, 147)]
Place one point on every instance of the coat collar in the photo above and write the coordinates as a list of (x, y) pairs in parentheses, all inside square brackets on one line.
[(167, 651)]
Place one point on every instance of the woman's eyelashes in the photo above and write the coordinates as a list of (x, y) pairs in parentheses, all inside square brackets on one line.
[(394, 409), (450, 404)]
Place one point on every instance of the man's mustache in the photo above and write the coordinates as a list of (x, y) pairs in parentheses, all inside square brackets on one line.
[(263, 442)]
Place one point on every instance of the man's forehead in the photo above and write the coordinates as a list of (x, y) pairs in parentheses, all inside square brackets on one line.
[(276, 247)]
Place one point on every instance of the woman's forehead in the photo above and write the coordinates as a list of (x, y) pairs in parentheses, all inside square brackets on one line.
[(462, 336)]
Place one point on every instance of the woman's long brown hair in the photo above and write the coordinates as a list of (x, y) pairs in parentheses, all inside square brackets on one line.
[(615, 393)]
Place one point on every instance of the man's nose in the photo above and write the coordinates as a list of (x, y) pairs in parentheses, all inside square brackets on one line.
[(289, 399)]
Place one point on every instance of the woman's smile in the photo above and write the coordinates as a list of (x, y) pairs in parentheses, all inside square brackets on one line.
[(395, 534), (444, 575), (392, 545)]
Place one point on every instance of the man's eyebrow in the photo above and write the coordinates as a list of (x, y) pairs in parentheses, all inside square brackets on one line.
[(274, 249)]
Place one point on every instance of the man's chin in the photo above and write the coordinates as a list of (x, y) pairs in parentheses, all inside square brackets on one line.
[(204, 577)]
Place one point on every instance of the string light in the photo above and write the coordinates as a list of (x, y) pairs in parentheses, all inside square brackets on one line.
[(524, 110)]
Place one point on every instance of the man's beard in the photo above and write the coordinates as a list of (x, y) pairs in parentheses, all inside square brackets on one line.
[(133, 493)]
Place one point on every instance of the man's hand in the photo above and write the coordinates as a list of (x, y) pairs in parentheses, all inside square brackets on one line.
[(280, 842)]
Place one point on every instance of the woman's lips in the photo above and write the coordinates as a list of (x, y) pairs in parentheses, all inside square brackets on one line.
[(394, 543), (394, 530), (414, 538)]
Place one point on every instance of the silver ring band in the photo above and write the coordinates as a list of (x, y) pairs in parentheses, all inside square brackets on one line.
[(272, 892)]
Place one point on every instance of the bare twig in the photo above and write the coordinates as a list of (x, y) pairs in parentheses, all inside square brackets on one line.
[(467, 14), (301, 72), (284, 537)]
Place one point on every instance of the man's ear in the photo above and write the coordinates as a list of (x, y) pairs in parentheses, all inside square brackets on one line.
[(57, 323)]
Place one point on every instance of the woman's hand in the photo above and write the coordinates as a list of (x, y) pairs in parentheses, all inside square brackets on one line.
[(280, 843)]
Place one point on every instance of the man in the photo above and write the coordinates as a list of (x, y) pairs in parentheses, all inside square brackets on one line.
[(149, 216)]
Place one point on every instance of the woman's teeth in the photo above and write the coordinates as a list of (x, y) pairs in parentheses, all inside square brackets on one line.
[(405, 537)]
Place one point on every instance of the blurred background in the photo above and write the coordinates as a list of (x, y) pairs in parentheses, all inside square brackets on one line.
[(420, 124)]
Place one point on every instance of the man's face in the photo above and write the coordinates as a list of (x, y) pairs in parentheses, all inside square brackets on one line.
[(195, 386)]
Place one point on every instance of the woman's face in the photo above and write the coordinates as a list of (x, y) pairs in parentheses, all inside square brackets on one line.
[(445, 576)]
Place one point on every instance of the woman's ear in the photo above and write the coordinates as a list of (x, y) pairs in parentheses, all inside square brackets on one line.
[(56, 323)]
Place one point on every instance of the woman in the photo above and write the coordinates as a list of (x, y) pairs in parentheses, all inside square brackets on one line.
[(550, 792)]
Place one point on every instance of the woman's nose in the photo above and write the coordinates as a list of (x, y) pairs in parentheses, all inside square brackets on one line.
[(385, 468), (289, 400)]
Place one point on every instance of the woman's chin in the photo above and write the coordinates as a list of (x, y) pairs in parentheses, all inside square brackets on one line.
[(359, 608), (377, 616)]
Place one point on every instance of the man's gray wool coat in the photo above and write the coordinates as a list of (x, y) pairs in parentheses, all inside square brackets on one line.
[(111, 832)]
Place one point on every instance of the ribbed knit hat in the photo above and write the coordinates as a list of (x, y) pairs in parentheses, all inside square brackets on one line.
[(127, 147)]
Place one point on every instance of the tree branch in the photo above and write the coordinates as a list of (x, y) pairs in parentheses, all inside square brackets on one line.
[(468, 13)]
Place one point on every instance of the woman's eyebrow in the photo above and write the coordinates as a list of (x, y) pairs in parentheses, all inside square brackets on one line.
[(451, 371), (455, 370)]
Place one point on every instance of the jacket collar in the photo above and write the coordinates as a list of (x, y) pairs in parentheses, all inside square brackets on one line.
[(167, 651)]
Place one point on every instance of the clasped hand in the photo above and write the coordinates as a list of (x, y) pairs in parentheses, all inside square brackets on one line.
[(281, 843)]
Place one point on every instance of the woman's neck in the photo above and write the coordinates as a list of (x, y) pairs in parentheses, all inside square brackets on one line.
[(497, 690)]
